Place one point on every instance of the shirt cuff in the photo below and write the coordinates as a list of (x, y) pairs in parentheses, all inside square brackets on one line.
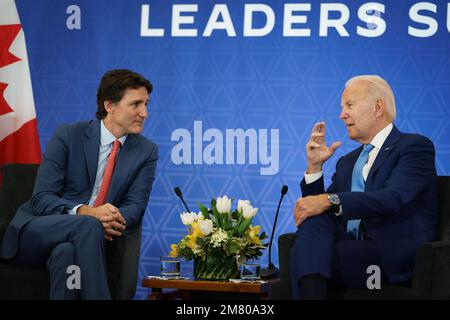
[(312, 177), (74, 210)]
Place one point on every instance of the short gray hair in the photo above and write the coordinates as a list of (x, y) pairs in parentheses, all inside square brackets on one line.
[(378, 86)]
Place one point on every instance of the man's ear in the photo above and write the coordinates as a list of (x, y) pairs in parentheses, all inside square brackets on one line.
[(109, 106), (380, 108)]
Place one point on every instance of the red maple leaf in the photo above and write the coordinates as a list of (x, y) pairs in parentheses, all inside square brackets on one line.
[(8, 33), (4, 107)]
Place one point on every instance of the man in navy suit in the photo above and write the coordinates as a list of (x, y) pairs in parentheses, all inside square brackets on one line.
[(380, 207), (76, 204)]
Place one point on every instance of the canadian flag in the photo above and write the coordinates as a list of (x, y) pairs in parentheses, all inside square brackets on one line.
[(19, 140)]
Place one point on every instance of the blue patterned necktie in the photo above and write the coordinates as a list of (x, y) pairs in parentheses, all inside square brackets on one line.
[(358, 184)]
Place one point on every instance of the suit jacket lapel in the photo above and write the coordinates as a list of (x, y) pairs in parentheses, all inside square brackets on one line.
[(91, 149), (124, 163), (388, 145)]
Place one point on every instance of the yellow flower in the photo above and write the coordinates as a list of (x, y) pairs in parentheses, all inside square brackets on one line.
[(254, 231), (174, 251), (192, 242), (195, 233), (253, 234), (195, 230)]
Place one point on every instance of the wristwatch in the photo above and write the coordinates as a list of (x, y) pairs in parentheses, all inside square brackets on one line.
[(335, 202)]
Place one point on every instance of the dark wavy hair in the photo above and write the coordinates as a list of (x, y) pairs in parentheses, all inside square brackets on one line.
[(113, 85)]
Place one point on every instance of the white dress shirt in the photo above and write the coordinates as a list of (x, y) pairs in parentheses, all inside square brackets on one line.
[(377, 142), (106, 142)]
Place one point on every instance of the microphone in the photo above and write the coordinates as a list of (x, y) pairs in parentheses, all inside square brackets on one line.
[(180, 195), (271, 271)]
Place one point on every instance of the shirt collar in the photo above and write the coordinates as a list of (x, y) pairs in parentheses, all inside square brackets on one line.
[(381, 136), (106, 137)]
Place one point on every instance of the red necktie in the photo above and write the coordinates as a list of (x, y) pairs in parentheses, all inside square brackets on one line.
[(103, 192)]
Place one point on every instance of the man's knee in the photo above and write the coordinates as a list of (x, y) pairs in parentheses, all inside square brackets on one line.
[(61, 256), (64, 249), (321, 222)]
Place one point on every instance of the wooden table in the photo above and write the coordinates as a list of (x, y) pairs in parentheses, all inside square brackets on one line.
[(200, 289)]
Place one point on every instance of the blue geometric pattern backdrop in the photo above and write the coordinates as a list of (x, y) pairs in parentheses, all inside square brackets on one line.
[(269, 68)]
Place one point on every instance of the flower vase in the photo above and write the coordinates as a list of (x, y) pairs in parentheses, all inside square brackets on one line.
[(216, 268)]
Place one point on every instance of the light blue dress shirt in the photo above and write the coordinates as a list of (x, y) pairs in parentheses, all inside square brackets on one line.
[(106, 142)]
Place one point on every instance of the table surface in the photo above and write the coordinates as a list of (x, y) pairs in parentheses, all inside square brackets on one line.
[(203, 285)]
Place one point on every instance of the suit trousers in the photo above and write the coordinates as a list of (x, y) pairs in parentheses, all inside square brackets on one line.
[(59, 241), (323, 247)]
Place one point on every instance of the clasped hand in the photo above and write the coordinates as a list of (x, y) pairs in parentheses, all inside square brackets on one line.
[(112, 220)]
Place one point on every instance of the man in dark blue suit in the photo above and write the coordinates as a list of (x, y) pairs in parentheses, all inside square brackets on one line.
[(380, 207), (93, 184)]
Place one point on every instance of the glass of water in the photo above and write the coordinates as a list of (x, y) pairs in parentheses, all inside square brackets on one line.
[(170, 267), (250, 269)]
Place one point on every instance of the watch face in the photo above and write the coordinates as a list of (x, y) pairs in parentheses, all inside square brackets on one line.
[(334, 199)]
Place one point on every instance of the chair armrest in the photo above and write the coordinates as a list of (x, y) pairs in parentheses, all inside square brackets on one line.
[(285, 242), (15, 189), (432, 270), (282, 289), (122, 256)]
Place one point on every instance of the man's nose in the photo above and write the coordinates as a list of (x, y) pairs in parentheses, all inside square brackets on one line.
[(343, 115), (143, 112)]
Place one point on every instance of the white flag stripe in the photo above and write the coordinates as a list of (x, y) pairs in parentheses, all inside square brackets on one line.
[(8, 12), (19, 93)]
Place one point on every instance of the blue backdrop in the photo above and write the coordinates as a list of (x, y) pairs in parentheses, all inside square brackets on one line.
[(213, 66)]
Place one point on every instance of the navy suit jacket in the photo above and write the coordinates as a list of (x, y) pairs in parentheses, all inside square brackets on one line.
[(67, 174), (399, 205)]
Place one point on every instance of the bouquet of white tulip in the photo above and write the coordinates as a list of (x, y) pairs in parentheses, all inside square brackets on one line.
[(219, 233)]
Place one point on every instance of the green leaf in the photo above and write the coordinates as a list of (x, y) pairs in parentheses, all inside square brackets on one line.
[(234, 248), (204, 211), (228, 225), (225, 221), (218, 217), (239, 222), (244, 226)]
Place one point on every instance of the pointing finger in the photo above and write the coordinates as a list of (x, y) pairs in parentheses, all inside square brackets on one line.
[(319, 127)]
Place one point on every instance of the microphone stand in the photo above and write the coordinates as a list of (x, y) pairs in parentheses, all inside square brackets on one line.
[(180, 195), (271, 271)]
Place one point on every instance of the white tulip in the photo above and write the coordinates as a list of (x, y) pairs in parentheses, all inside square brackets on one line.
[(242, 204), (199, 216), (206, 226), (223, 204), (188, 218), (249, 211)]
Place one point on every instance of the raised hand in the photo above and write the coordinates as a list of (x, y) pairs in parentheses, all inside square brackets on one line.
[(317, 152)]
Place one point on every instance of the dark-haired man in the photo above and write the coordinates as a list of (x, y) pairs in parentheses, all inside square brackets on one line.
[(94, 182)]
